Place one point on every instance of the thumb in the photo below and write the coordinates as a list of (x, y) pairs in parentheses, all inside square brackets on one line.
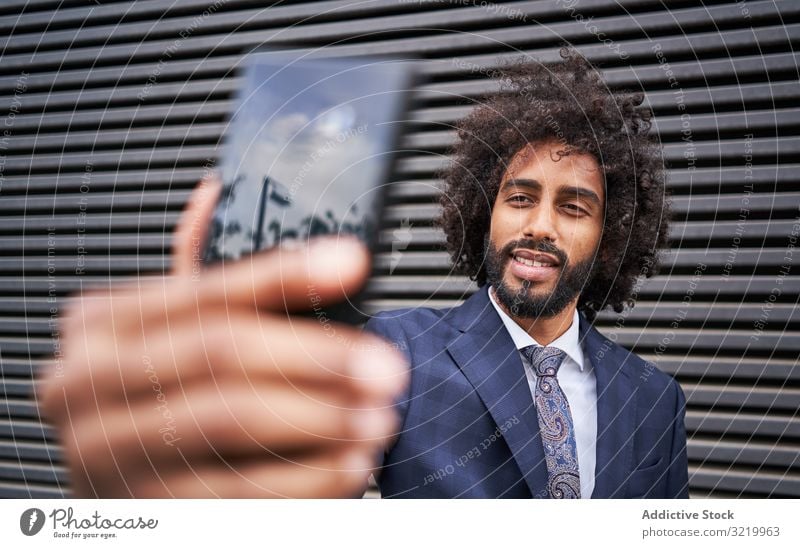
[(190, 234)]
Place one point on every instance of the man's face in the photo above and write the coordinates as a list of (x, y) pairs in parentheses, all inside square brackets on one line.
[(546, 226)]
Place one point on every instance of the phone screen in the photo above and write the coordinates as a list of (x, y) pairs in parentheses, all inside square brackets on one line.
[(309, 151)]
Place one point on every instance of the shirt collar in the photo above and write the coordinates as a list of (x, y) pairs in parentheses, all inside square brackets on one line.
[(568, 341)]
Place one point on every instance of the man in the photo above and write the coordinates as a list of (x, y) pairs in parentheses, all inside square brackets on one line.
[(555, 204), (205, 386)]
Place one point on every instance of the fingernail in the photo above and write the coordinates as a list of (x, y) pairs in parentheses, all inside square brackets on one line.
[(336, 248), (338, 264)]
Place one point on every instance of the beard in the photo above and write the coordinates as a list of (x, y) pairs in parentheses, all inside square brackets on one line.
[(523, 302)]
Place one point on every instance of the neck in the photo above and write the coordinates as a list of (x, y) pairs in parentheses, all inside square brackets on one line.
[(545, 330)]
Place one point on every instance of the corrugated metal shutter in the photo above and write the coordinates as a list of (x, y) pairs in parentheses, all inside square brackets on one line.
[(112, 109)]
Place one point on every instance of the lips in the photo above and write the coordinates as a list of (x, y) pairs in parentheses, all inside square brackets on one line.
[(533, 266), (534, 258)]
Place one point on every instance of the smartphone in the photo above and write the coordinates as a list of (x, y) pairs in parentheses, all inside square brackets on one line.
[(309, 151)]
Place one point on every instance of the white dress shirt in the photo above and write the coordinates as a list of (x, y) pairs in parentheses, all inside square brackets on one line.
[(577, 380)]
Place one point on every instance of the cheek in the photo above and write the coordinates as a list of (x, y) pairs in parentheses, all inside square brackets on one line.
[(507, 223), (582, 239)]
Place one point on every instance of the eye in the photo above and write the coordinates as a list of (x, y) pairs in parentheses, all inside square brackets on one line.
[(519, 199), (576, 209)]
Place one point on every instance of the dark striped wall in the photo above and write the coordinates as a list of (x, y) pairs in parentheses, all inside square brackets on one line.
[(111, 110)]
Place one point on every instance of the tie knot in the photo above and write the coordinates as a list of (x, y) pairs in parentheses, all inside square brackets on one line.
[(545, 359)]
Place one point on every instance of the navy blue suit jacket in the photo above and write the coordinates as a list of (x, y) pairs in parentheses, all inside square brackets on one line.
[(469, 426)]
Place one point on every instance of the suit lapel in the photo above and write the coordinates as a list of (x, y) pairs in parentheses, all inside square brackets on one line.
[(616, 412), (488, 358)]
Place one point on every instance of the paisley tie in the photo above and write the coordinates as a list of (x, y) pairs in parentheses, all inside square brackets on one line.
[(555, 423)]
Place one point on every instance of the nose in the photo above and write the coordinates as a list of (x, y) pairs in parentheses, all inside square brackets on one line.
[(540, 223)]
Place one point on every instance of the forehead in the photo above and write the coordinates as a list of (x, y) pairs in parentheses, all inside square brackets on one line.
[(541, 161)]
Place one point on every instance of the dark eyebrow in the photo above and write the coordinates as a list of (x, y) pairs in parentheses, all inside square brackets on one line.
[(581, 191), (533, 184), (530, 183)]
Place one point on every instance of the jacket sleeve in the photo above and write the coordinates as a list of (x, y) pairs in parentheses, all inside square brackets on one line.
[(678, 474)]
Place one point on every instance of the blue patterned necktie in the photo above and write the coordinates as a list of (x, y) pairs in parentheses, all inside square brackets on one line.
[(555, 423)]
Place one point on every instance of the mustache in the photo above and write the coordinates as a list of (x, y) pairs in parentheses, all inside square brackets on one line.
[(543, 246)]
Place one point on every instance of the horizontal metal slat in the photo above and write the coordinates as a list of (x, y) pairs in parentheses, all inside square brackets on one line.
[(18, 367), (117, 96), (729, 313), (765, 483), (717, 367), (116, 222), (11, 470), (97, 201), (199, 112), (748, 424), (58, 284), (708, 340), (31, 490), (25, 429), (728, 178), (89, 243), (29, 450), (151, 179), (159, 157), (729, 229), (771, 203), (81, 265), (717, 98), (19, 407), (199, 133), (743, 452), (711, 395), (15, 387)]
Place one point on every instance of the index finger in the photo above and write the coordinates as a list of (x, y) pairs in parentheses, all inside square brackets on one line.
[(322, 272)]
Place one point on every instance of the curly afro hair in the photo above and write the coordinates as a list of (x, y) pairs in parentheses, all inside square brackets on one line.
[(567, 102)]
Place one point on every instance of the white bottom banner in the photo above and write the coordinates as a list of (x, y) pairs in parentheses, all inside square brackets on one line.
[(399, 523)]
